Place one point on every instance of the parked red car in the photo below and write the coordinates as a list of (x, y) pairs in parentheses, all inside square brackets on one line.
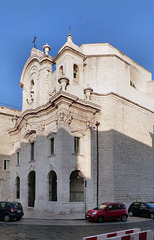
[(107, 212)]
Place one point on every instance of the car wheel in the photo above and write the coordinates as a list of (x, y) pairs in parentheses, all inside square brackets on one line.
[(131, 214), (124, 218), (152, 216), (100, 219), (6, 218)]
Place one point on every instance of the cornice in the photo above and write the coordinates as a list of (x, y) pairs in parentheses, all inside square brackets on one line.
[(107, 55), (53, 104), (67, 48), (123, 98)]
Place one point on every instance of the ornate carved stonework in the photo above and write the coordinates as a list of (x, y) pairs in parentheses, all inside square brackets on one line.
[(28, 132), (78, 167), (28, 127), (64, 118), (41, 127), (90, 124), (51, 167), (31, 167)]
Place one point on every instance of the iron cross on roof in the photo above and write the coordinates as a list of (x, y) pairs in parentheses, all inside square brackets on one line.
[(34, 41)]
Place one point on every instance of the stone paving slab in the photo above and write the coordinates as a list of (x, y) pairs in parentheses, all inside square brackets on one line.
[(36, 214)]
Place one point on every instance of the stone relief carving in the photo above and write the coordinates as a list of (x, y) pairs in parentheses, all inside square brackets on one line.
[(64, 118), (32, 77), (52, 93), (31, 167), (90, 124), (28, 127), (51, 167), (78, 167), (41, 127), (44, 74), (28, 132)]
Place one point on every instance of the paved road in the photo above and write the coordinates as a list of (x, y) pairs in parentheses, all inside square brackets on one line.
[(32, 229)]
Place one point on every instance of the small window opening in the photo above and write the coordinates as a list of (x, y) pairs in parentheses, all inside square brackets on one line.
[(76, 145), (52, 146), (75, 71), (32, 151), (6, 165), (132, 84), (18, 158)]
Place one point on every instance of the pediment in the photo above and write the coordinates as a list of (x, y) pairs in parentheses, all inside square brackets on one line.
[(78, 132)]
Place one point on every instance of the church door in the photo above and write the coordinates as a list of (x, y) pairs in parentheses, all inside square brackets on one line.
[(31, 189)]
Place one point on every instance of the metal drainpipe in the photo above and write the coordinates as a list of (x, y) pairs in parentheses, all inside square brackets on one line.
[(97, 124)]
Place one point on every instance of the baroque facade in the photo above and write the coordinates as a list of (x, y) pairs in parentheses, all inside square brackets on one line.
[(85, 134)]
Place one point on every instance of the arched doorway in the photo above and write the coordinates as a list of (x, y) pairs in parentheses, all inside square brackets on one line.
[(17, 187), (52, 186), (76, 186), (31, 189)]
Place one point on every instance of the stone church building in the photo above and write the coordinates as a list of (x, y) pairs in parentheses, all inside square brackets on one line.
[(85, 134)]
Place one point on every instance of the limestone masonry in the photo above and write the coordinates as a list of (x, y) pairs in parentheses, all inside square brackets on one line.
[(85, 134)]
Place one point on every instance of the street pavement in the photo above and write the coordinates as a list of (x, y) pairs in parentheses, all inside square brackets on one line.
[(31, 213), (43, 225)]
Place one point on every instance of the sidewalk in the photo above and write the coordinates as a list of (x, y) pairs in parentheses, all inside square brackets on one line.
[(36, 214)]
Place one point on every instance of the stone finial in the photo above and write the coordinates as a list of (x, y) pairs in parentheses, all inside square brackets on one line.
[(46, 48), (64, 82), (88, 91)]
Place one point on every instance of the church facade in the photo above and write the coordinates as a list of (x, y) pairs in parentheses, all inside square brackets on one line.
[(85, 134)]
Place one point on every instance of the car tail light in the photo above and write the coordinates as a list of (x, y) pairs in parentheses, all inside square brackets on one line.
[(12, 210)]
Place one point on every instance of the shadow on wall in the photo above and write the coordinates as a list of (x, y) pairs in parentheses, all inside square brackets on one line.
[(125, 168)]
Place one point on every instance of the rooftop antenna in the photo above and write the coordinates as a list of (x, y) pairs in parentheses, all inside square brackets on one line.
[(34, 41)]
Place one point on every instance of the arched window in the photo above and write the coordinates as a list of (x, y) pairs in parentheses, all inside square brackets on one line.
[(75, 71), (17, 187), (61, 71), (76, 186), (52, 186)]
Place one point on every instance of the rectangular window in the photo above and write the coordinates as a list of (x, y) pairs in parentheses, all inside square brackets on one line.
[(52, 146), (18, 161), (76, 145), (6, 165), (32, 151)]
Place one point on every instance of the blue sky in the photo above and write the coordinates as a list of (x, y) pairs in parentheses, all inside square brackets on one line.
[(128, 25)]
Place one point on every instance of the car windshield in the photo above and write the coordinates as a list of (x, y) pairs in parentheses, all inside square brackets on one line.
[(100, 207), (151, 205)]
